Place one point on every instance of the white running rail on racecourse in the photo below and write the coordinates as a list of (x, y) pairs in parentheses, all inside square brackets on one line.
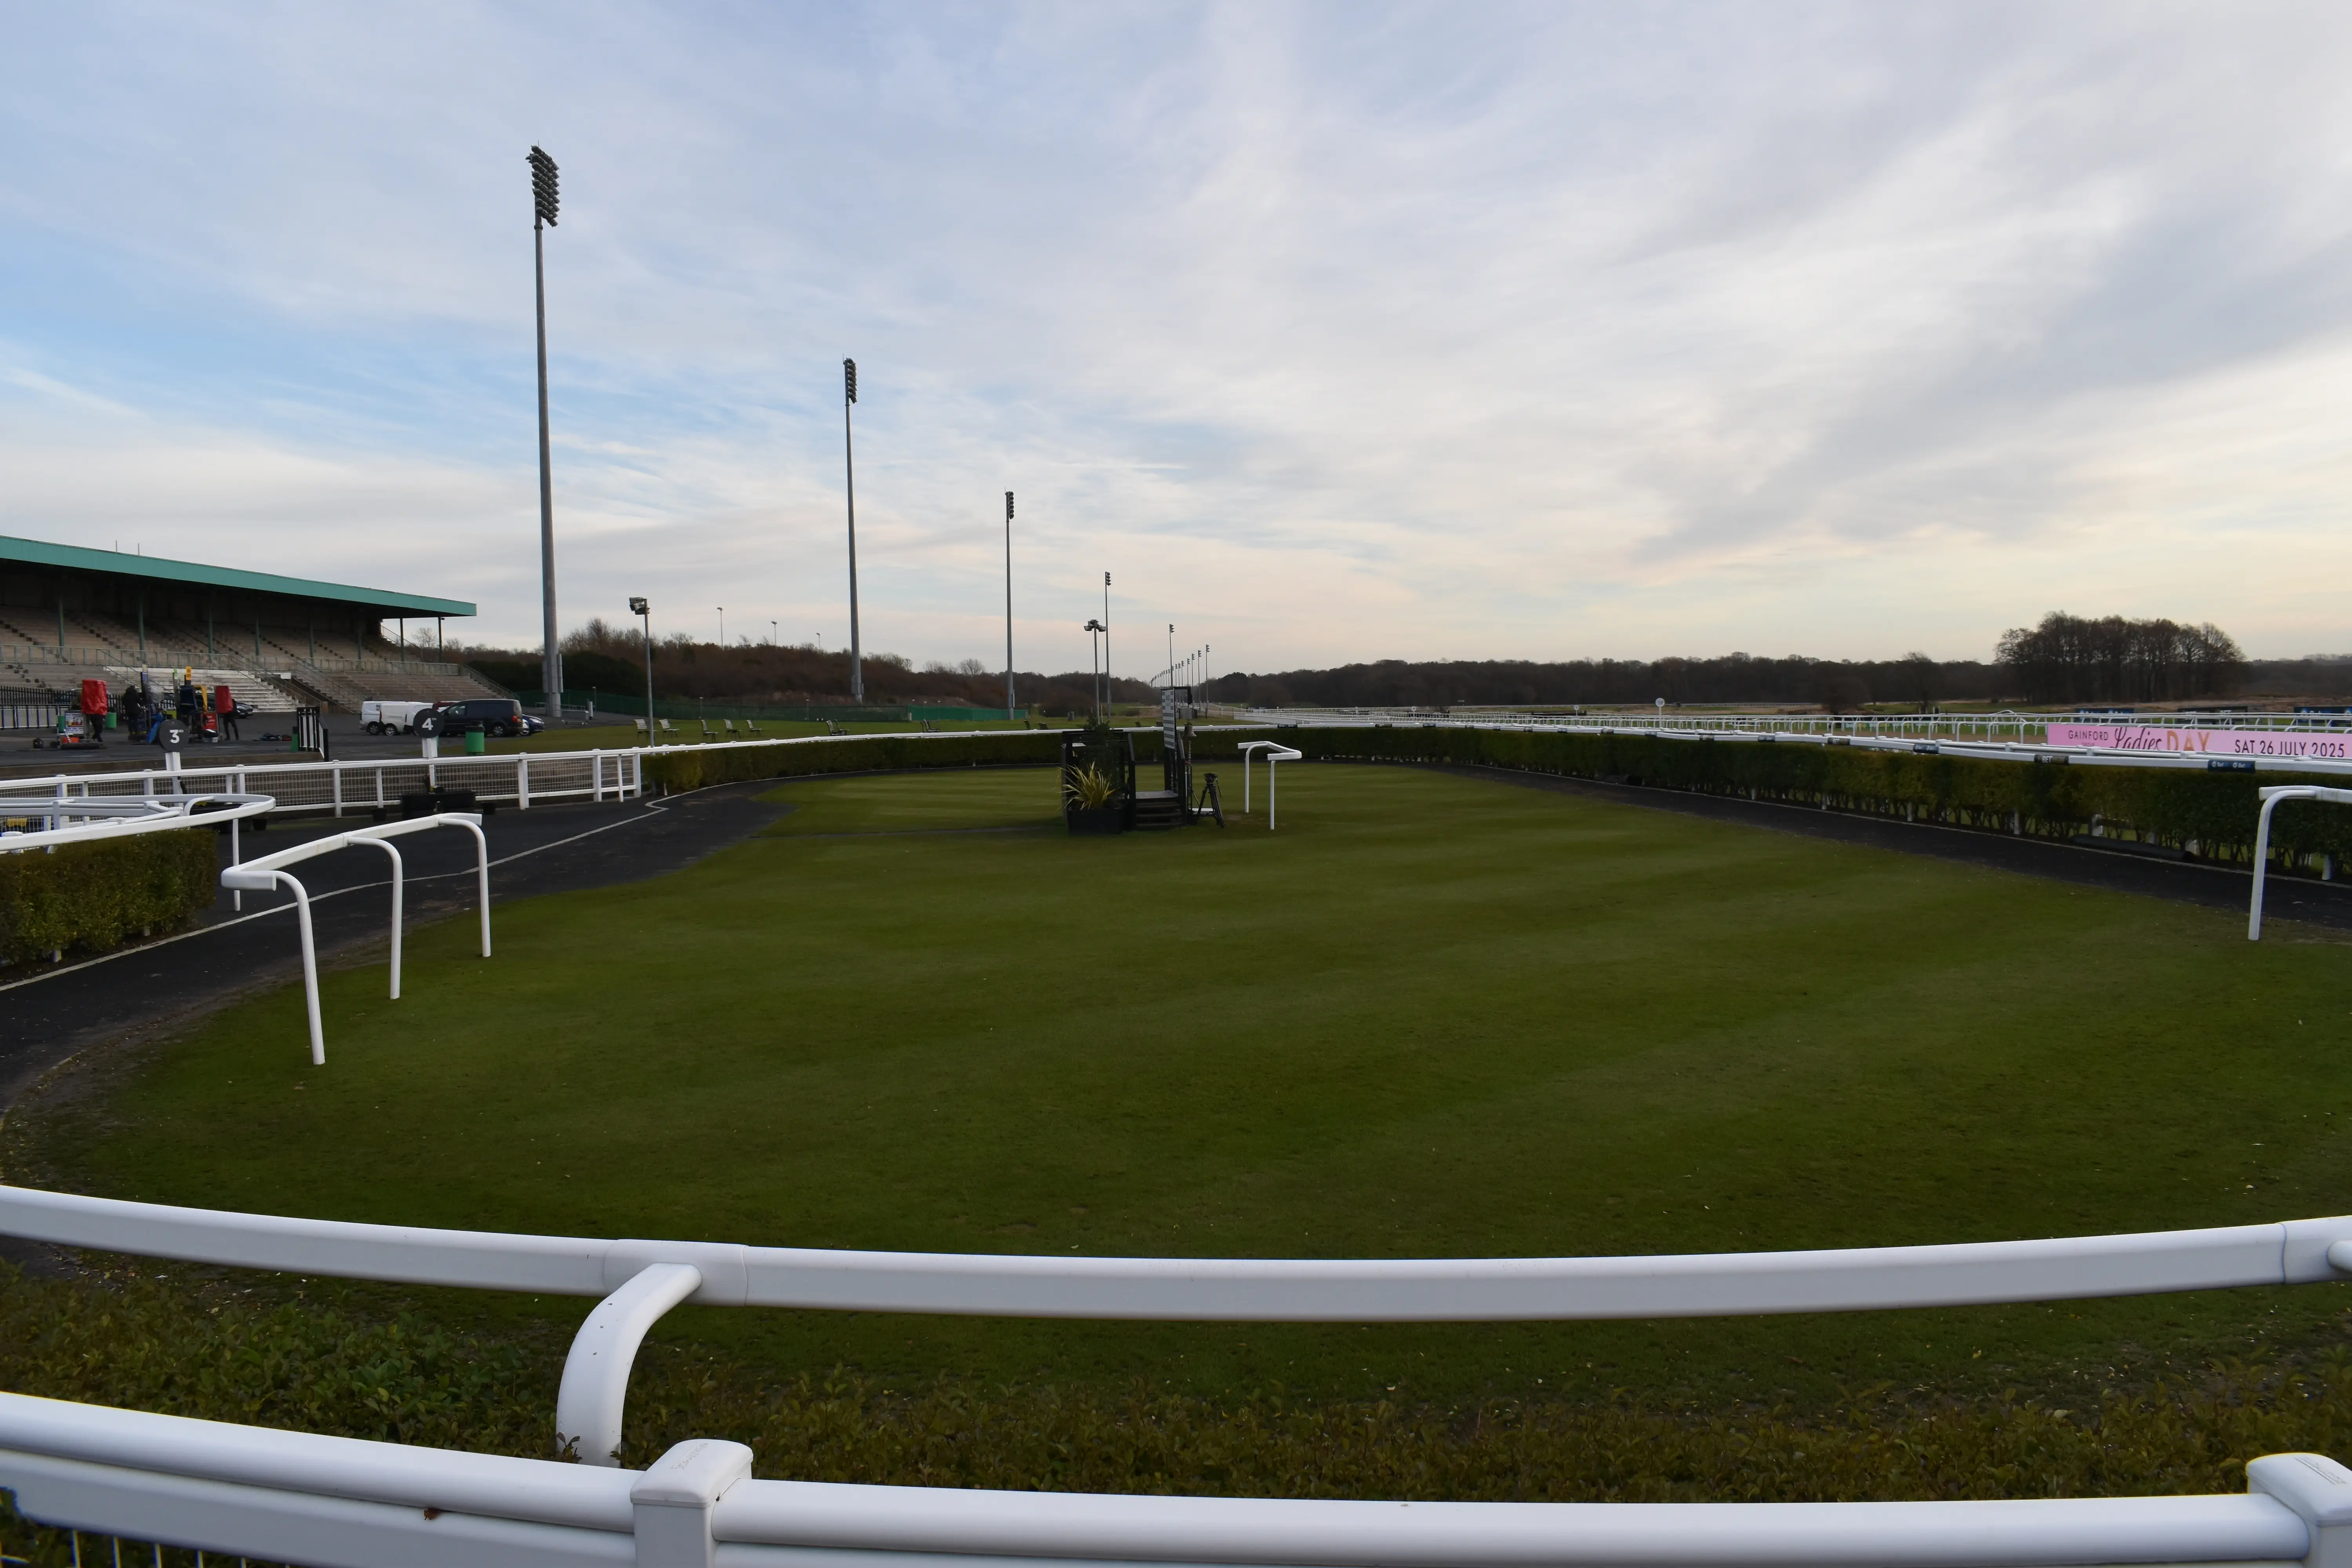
[(269, 871), (77, 820), (2273, 796), (365, 785), (1966, 734), (325, 1501), (639, 1279), (1985, 726), (297, 1497)]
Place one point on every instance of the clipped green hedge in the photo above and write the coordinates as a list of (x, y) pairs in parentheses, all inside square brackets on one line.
[(696, 769), (92, 896), (2212, 813)]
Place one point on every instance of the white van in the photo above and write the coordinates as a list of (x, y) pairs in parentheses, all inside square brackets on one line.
[(390, 717)]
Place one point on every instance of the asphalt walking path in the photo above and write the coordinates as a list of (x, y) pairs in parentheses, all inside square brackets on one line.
[(2184, 881), (161, 987)]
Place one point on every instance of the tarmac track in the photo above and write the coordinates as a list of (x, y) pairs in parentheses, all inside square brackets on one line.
[(162, 986)]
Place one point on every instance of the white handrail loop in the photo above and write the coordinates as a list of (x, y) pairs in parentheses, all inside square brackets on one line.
[(2272, 798), (268, 871)]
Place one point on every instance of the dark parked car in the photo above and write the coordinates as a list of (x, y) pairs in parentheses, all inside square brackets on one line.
[(490, 715)]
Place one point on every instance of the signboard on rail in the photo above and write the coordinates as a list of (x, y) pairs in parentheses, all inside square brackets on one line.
[(2202, 743)]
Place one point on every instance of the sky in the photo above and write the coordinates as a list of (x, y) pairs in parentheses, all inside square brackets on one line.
[(1332, 332)]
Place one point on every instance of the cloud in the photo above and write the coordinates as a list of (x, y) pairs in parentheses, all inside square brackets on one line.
[(1335, 331)]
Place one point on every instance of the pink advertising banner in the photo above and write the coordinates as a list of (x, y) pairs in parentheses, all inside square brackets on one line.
[(2203, 742)]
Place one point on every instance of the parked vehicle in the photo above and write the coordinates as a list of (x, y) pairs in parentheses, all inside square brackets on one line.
[(390, 717), (491, 715)]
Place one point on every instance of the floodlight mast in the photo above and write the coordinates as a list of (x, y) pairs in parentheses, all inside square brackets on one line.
[(849, 472), (1008, 604), (543, 201), (639, 608), (1108, 692)]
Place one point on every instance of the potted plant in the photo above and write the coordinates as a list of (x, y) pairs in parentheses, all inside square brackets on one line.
[(1090, 801)]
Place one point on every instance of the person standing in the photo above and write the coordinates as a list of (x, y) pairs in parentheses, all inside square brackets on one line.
[(224, 705)]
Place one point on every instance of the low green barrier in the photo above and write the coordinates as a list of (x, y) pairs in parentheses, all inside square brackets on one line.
[(2209, 814), (93, 897), (695, 769)]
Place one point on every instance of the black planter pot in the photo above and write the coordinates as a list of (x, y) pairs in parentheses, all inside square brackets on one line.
[(1099, 819)]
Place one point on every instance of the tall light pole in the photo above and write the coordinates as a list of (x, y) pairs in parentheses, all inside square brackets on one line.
[(722, 626), (1008, 604), (849, 472), (1094, 647), (1108, 692), (1171, 653), (638, 608), (543, 204), (773, 636)]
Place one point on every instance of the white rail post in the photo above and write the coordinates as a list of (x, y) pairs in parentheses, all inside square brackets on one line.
[(236, 844), (2319, 1492), (335, 777), (397, 869), (522, 781), (596, 1387), (2271, 798), (671, 1502)]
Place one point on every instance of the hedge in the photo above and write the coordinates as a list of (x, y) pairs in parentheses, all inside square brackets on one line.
[(699, 767), (93, 897), (2209, 814)]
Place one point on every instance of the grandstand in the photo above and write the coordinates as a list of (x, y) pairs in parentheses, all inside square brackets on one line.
[(68, 615)]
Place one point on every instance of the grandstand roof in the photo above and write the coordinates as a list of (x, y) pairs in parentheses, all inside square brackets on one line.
[(73, 558)]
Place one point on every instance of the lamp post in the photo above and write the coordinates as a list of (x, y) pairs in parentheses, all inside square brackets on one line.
[(1094, 652), (1008, 604), (849, 472), (543, 206), (1107, 692), (773, 636), (1171, 653), (638, 608), (722, 626)]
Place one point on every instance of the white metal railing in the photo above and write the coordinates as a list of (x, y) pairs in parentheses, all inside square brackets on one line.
[(363, 786), (2272, 798), (1902, 733), (315, 1499), (269, 871), (77, 819), (302, 1498), (641, 1280)]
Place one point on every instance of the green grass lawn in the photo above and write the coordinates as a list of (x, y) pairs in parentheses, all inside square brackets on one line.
[(1433, 1016)]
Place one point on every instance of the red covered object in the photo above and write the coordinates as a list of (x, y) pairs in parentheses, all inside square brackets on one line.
[(94, 698)]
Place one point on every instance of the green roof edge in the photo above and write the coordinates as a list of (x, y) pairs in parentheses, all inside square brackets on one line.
[(75, 558)]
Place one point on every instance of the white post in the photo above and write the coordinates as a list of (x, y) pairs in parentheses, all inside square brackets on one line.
[(335, 776), (396, 880), (2262, 854), (522, 781), (236, 844), (1273, 773)]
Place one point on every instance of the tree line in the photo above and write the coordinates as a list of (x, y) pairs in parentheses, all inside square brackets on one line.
[(2065, 658)]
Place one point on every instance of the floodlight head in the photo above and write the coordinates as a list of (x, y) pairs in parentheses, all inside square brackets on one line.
[(1008, 506), (849, 379), (542, 187), (637, 607), (1094, 626)]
